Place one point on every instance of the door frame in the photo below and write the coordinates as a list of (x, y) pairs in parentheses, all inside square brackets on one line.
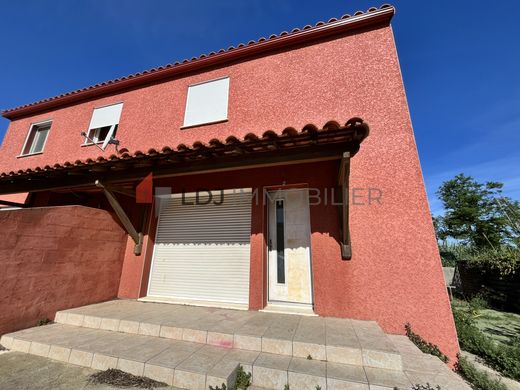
[(273, 190)]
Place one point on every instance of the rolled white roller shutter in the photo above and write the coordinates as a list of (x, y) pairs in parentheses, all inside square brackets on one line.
[(202, 251)]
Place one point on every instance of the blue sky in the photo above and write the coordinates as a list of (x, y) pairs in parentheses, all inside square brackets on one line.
[(460, 62)]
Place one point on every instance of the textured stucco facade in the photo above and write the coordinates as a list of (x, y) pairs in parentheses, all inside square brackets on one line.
[(56, 258), (395, 274)]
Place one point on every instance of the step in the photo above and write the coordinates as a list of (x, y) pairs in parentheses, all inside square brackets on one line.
[(337, 340), (192, 365)]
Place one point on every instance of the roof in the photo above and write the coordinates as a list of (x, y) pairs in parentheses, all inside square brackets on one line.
[(331, 139), (372, 16)]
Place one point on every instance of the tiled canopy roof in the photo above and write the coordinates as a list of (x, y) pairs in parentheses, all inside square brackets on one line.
[(297, 35), (290, 139)]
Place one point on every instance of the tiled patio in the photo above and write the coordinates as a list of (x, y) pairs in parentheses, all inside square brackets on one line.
[(195, 347)]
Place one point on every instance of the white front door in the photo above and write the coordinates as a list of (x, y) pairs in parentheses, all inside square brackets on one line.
[(289, 263)]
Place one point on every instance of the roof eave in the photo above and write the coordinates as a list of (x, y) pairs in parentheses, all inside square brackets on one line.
[(376, 17)]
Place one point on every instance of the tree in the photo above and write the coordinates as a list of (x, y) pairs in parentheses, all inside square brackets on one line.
[(476, 214)]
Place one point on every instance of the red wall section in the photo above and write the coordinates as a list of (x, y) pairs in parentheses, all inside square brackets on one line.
[(56, 258), (395, 274), (353, 75)]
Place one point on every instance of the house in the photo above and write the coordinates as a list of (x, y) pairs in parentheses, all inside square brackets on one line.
[(280, 175)]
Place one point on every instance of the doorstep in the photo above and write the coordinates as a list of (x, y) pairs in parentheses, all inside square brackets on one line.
[(193, 302)]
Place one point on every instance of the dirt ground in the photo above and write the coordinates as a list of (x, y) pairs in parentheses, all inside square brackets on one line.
[(20, 371)]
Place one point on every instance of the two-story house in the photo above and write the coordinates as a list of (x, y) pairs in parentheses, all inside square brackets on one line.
[(280, 174)]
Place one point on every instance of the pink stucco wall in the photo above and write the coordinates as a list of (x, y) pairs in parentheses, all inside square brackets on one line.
[(354, 75), (395, 273), (56, 258)]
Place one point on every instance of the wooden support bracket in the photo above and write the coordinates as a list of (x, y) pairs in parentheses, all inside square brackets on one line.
[(120, 212), (12, 204), (343, 182)]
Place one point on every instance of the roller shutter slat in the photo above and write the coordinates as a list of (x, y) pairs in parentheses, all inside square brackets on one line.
[(202, 252)]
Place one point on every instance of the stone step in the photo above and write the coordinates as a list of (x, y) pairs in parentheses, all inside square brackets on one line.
[(191, 365), (337, 340)]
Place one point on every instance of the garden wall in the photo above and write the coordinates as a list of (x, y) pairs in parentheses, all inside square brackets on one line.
[(56, 258)]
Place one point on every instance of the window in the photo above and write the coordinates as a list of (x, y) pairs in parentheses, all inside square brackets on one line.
[(280, 243), (104, 123), (36, 138), (207, 102)]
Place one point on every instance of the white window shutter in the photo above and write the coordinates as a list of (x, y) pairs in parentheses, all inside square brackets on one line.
[(106, 116), (207, 102)]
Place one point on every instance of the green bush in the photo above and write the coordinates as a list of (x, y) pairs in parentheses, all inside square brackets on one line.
[(503, 358), (423, 345), (478, 379), (504, 259)]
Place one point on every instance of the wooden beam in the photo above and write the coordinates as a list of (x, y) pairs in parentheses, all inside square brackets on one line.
[(12, 204), (120, 212), (343, 182), (121, 190), (59, 179)]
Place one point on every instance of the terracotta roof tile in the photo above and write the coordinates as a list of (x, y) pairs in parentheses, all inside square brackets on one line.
[(249, 139), (195, 59)]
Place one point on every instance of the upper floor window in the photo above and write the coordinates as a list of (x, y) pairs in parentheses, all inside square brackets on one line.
[(207, 102), (104, 123), (35, 141)]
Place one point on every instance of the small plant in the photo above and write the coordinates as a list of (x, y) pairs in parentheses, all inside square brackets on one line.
[(318, 387), (286, 387), (223, 387), (309, 357), (43, 321), (423, 345), (477, 304), (425, 387), (479, 379), (243, 380)]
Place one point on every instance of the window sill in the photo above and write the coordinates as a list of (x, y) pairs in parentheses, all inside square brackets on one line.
[(28, 155), (92, 144), (204, 124)]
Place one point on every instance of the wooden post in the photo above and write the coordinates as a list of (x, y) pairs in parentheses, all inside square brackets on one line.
[(343, 182), (120, 212)]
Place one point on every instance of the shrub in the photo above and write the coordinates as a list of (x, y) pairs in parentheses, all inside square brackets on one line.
[(243, 381), (503, 358), (478, 379), (504, 259), (43, 321), (423, 345)]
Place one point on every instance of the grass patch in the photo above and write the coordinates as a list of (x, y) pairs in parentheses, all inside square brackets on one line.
[(119, 378), (502, 327), (480, 380), (501, 357)]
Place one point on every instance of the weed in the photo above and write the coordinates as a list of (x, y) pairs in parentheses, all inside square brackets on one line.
[(423, 345)]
